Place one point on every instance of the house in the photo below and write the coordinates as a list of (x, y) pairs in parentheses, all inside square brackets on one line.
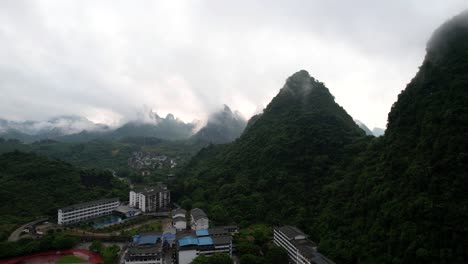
[(300, 249), (199, 220)]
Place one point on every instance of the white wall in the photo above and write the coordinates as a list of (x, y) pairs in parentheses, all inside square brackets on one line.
[(180, 225), (186, 256)]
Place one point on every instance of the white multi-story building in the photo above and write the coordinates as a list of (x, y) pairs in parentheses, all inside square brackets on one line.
[(134, 199), (300, 249), (84, 211), (199, 220), (150, 199)]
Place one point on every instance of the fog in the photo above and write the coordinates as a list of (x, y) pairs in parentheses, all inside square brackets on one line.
[(110, 60)]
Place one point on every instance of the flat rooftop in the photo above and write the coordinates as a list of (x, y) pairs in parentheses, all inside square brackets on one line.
[(88, 204)]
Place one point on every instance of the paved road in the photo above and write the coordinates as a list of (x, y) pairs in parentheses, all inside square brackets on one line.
[(15, 236)]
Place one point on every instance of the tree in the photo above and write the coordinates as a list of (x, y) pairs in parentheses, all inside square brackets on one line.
[(96, 246), (277, 255), (110, 253), (251, 259), (217, 258)]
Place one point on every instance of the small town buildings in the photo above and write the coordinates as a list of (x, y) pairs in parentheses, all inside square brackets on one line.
[(202, 242), (145, 249), (150, 199), (84, 211), (300, 249), (199, 220)]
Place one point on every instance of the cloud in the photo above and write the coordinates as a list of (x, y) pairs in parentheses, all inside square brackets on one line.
[(106, 59)]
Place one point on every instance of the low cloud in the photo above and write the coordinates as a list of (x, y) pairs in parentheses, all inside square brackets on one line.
[(106, 59)]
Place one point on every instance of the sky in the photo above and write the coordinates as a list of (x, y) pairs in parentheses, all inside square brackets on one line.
[(109, 60)]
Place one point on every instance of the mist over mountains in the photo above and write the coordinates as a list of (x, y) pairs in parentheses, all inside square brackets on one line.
[(222, 126)]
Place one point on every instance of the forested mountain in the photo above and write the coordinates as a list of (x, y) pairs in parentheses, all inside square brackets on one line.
[(377, 131), (222, 127), (58, 127), (80, 129), (33, 185), (364, 127), (399, 198)]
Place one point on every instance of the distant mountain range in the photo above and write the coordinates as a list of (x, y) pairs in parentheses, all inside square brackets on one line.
[(376, 131), (222, 127)]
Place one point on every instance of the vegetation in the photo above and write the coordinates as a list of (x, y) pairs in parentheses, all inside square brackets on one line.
[(103, 153), (400, 198), (28, 246), (108, 253), (217, 258), (37, 186)]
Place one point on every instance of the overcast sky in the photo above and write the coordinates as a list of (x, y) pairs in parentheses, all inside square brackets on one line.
[(107, 60)]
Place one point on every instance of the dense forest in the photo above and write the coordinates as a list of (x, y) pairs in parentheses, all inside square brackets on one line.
[(34, 185), (104, 153), (399, 198)]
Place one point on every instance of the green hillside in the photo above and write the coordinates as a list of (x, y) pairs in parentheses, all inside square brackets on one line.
[(400, 198), (33, 185)]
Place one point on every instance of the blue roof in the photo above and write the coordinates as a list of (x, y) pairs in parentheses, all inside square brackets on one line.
[(151, 239), (168, 236), (204, 241), (135, 238), (187, 241), (202, 232)]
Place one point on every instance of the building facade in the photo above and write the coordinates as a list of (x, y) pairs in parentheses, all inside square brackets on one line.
[(300, 249), (145, 249), (84, 211), (199, 220), (151, 199)]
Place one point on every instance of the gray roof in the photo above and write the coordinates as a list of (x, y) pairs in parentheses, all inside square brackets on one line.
[(216, 231), (197, 214), (179, 218), (125, 209), (88, 204), (291, 231), (222, 240), (139, 253), (178, 211)]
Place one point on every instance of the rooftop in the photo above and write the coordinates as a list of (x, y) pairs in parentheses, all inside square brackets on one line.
[(188, 241), (198, 213), (179, 219), (149, 238), (291, 232), (202, 232), (88, 204), (205, 241), (222, 240), (125, 209), (178, 211)]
